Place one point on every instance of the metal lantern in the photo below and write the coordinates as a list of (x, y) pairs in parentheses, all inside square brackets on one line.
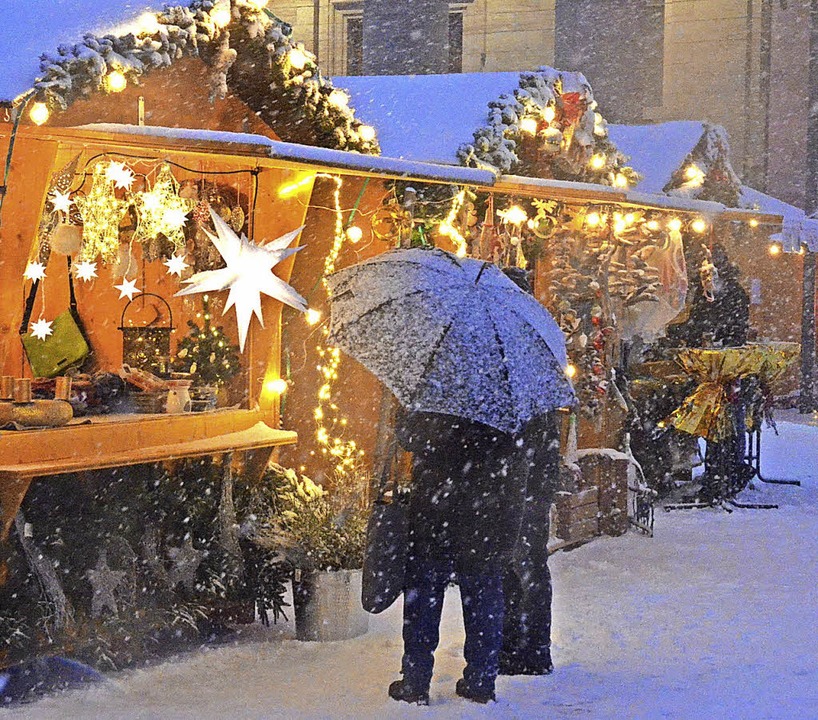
[(147, 347)]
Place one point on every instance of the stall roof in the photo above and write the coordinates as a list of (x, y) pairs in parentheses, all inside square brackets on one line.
[(262, 150)]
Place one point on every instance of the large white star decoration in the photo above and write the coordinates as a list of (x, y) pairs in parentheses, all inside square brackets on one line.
[(127, 289), (34, 271), (41, 329), (61, 201), (85, 270), (120, 175), (248, 274), (176, 265)]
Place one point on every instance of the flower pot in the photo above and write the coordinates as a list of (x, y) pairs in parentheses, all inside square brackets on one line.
[(328, 605)]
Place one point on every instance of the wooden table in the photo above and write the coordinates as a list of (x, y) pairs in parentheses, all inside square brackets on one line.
[(119, 440)]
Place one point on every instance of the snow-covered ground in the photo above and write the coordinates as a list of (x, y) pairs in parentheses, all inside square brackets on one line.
[(714, 617)]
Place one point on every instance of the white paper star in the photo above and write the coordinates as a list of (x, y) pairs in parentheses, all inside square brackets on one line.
[(120, 175), (176, 265), (41, 329), (248, 274), (61, 201), (34, 271), (85, 270), (127, 289)]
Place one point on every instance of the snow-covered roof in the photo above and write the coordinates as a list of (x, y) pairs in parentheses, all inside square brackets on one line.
[(426, 117), (307, 154), (33, 27)]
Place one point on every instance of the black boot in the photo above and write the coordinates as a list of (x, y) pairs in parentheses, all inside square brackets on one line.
[(401, 690), (464, 690), (517, 664)]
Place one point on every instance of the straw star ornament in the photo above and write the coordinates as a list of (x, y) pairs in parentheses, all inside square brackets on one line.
[(248, 275)]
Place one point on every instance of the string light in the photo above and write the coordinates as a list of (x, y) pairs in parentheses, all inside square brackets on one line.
[(597, 161), (297, 58), (674, 224), (549, 114), (344, 454), (115, 81), (161, 211), (593, 219), (291, 189), (753, 222), (220, 15), (367, 133), (101, 213), (621, 180), (528, 125), (447, 228), (513, 215), (774, 249), (354, 234), (39, 113), (652, 225), (570, 370), (338, 98), (694, 175), (277, 386), (698, 226), (312, 316)]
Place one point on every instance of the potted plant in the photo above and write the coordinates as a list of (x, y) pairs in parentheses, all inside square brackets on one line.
[(323, 536)]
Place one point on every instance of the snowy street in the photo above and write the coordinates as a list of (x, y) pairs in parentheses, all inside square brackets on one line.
[(712, 618)]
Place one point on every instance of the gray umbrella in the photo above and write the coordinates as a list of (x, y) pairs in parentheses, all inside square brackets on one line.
[(451, 335)]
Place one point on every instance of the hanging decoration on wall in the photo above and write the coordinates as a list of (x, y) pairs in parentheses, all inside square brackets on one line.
[(101, 212), (161, 211), (176, 265), (42, 329), (127, 289), (85, 270), (58, 198), (34, 271), (120, 175), (248, 274)]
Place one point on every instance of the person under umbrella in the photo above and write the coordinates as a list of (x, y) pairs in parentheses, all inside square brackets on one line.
[(472, 359)]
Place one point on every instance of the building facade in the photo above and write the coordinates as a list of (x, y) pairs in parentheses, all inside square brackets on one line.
[(743, 64)]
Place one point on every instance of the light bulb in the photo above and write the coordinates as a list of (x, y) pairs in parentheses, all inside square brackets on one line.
[(354, 233), (597, 161), (674, 224), (297, 58), (774, 249), (367, 133), (39, 113), (312, 316), (592, 219), (570, 370), (753, 223), (115, 81), (652, 225), (338, 98), (620, 180), (528, 125), (514, 215), (277, 386), (549, 114)]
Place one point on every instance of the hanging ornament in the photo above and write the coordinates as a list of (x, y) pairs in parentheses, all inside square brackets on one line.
[(248, 274), (59, 186), (176, 265), (127, 289), (120, 175), (104, 583), (34, 271), (161, 211), (237, 219), (186, 560), (60, 201), (42, 329), (85, 270), (201, 213), (101, 213)]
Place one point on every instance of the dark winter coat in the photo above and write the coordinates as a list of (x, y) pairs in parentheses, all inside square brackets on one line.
[(467, 500)]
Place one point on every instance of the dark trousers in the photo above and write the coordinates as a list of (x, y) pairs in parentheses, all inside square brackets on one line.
[(527, 623), (481, 595)]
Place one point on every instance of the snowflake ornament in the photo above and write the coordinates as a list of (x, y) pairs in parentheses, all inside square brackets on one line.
[(42, 329), (127, 289), (248, 275), (176, 265), (34, 271), (85, 270), (61, 201)]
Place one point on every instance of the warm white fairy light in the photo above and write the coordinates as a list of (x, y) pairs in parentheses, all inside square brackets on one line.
[(39, 113), (652, 225), (513, 215), (753, 223), (774, 249), (549, 114), (621, 180), (161, 211), (344, 454), (101, 213), (115, 81), (297, 58), (694, 175), (528, 125), (220, 15), (312, 316), (367, 133), (593, 219), (674, 224), (354, 234), (338, 98), (698, 226), (277, 386), (448, 229), (597, 161)]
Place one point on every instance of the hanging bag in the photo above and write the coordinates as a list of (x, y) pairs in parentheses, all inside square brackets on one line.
[(65, 348), (387, 540)]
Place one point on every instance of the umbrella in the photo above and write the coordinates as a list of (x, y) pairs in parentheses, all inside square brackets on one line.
[(451, 335)]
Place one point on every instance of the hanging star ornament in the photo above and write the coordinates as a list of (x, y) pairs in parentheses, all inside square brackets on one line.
[(85, 270), (42, 329), (101, 213), (34, 271), (161, 211), (127, 289), (248, 274), (176, 265), (120, 175), (60, 201)]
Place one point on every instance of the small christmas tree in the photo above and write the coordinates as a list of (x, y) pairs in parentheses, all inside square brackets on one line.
[(206, 352)]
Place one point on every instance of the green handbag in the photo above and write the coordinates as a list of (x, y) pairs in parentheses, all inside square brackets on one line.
[(65, 348)]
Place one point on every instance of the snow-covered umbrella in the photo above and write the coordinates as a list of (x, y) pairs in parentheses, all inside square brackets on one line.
[(451, 335)]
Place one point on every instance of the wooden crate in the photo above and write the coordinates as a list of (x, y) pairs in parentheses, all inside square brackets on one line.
[(577, 515), (610, 476)]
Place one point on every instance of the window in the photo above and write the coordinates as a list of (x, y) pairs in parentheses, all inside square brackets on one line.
[(455, 42), (355, 45)]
